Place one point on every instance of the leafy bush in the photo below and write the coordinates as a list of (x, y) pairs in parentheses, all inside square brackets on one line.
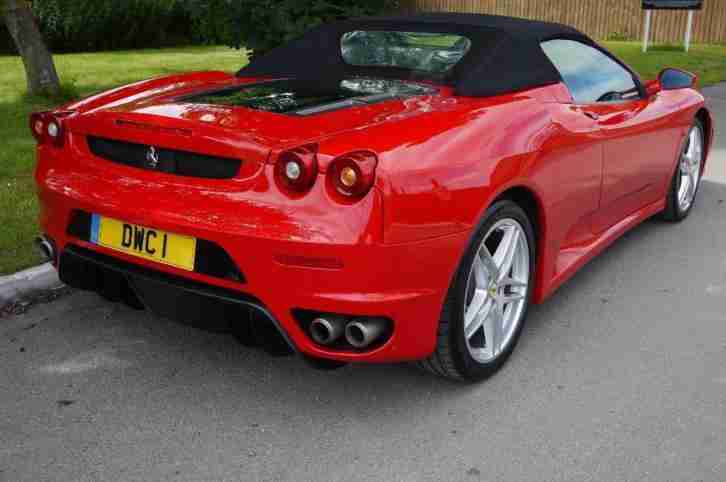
[(261, 25), (71, 25), (88, 25)]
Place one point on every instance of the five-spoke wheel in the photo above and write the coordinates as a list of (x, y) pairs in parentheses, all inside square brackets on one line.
[(487, 304), (690, 168), (496, 290), (687, 177)]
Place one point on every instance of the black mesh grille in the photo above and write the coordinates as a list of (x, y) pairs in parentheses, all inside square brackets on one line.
[(170, 161)]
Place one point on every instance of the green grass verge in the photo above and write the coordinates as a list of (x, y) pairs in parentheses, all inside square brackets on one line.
[(708, 61), (84, 74)]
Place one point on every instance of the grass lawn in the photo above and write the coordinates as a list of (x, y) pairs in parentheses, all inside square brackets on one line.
[(89, 73), (708, 61)]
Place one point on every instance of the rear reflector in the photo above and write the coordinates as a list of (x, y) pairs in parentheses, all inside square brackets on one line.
[(307, 262)]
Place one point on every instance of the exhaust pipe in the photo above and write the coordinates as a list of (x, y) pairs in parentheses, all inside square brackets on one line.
[(45, 247), (362, 332), (327, 330)]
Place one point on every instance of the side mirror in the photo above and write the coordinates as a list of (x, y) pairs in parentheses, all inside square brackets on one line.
[(652, 88), (673, 79)]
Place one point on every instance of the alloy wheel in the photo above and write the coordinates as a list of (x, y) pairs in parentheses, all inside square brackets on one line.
[(496, 293), (690, 169)]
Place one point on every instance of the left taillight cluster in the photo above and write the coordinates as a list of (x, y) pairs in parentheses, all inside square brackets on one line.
[(350, 176), (47, 128)]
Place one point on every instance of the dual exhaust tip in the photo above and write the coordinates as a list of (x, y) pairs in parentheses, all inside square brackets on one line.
[(359, 333), (46, 248)]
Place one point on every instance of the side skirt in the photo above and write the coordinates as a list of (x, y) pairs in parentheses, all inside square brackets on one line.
[(575, 258)]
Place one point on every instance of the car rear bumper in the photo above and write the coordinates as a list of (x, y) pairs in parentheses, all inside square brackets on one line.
[(343, 270)]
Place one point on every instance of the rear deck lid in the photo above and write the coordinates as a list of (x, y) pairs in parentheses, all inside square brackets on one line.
[(265, 114)]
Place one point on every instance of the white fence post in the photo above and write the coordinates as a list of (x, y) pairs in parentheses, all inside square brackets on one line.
[(646, 29), (689, 30)]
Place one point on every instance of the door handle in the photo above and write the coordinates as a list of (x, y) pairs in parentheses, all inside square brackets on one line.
[(591, 115)]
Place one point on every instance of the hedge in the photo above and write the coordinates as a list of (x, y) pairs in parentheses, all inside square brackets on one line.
[(264, 24), (89, 25)]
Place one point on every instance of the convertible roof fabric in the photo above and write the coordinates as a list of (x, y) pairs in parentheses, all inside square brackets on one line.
[(505, 55)]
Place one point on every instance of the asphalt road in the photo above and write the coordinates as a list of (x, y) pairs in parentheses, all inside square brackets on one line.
[(620, 376)]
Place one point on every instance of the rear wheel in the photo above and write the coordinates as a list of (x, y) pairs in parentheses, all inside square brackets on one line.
[(487, 303), (687, 178)]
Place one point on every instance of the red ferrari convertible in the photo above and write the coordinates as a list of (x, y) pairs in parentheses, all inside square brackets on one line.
[(378, 190)]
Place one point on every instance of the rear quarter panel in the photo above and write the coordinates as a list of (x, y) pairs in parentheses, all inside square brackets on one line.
[(439, 181), (441, 158)]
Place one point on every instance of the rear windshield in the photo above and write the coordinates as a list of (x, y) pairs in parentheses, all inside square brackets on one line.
[(434, 53)]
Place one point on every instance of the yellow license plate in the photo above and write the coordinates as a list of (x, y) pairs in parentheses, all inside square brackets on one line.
[(148, 243)]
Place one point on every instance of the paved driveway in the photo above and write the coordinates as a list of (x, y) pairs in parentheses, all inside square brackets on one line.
[(620, 376), (717, 101)]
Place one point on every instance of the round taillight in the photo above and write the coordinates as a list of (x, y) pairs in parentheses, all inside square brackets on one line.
[(353, 174), (293, 171), (53, 129), (297, 169), (38, 127), (348, 177)]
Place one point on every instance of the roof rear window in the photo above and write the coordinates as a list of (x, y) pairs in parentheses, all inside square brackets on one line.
[(434, 53)]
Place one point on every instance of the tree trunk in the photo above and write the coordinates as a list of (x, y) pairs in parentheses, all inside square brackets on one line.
[(39, 67)]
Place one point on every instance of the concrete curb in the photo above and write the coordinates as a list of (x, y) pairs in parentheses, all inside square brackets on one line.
[(25, 284)]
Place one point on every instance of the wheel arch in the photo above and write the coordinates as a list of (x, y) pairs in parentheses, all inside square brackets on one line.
[(531, 202), (705, 117), (533, 206)]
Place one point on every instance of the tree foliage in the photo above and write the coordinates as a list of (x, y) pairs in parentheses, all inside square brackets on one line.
[(87, 25), (73, 25), (261, 25)]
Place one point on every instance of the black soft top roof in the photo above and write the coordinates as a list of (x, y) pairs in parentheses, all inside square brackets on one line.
[(505, 55)]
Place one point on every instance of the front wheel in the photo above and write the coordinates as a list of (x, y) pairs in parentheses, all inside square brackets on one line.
[(687, 178), (487, 303)]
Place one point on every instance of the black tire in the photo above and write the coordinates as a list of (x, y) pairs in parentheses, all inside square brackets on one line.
[(672, 212), (451, 358)]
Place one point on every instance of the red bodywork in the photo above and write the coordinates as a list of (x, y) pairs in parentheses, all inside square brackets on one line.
[(442, 160)]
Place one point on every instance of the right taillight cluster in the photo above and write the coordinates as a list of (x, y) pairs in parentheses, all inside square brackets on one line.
[(351, 175)]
